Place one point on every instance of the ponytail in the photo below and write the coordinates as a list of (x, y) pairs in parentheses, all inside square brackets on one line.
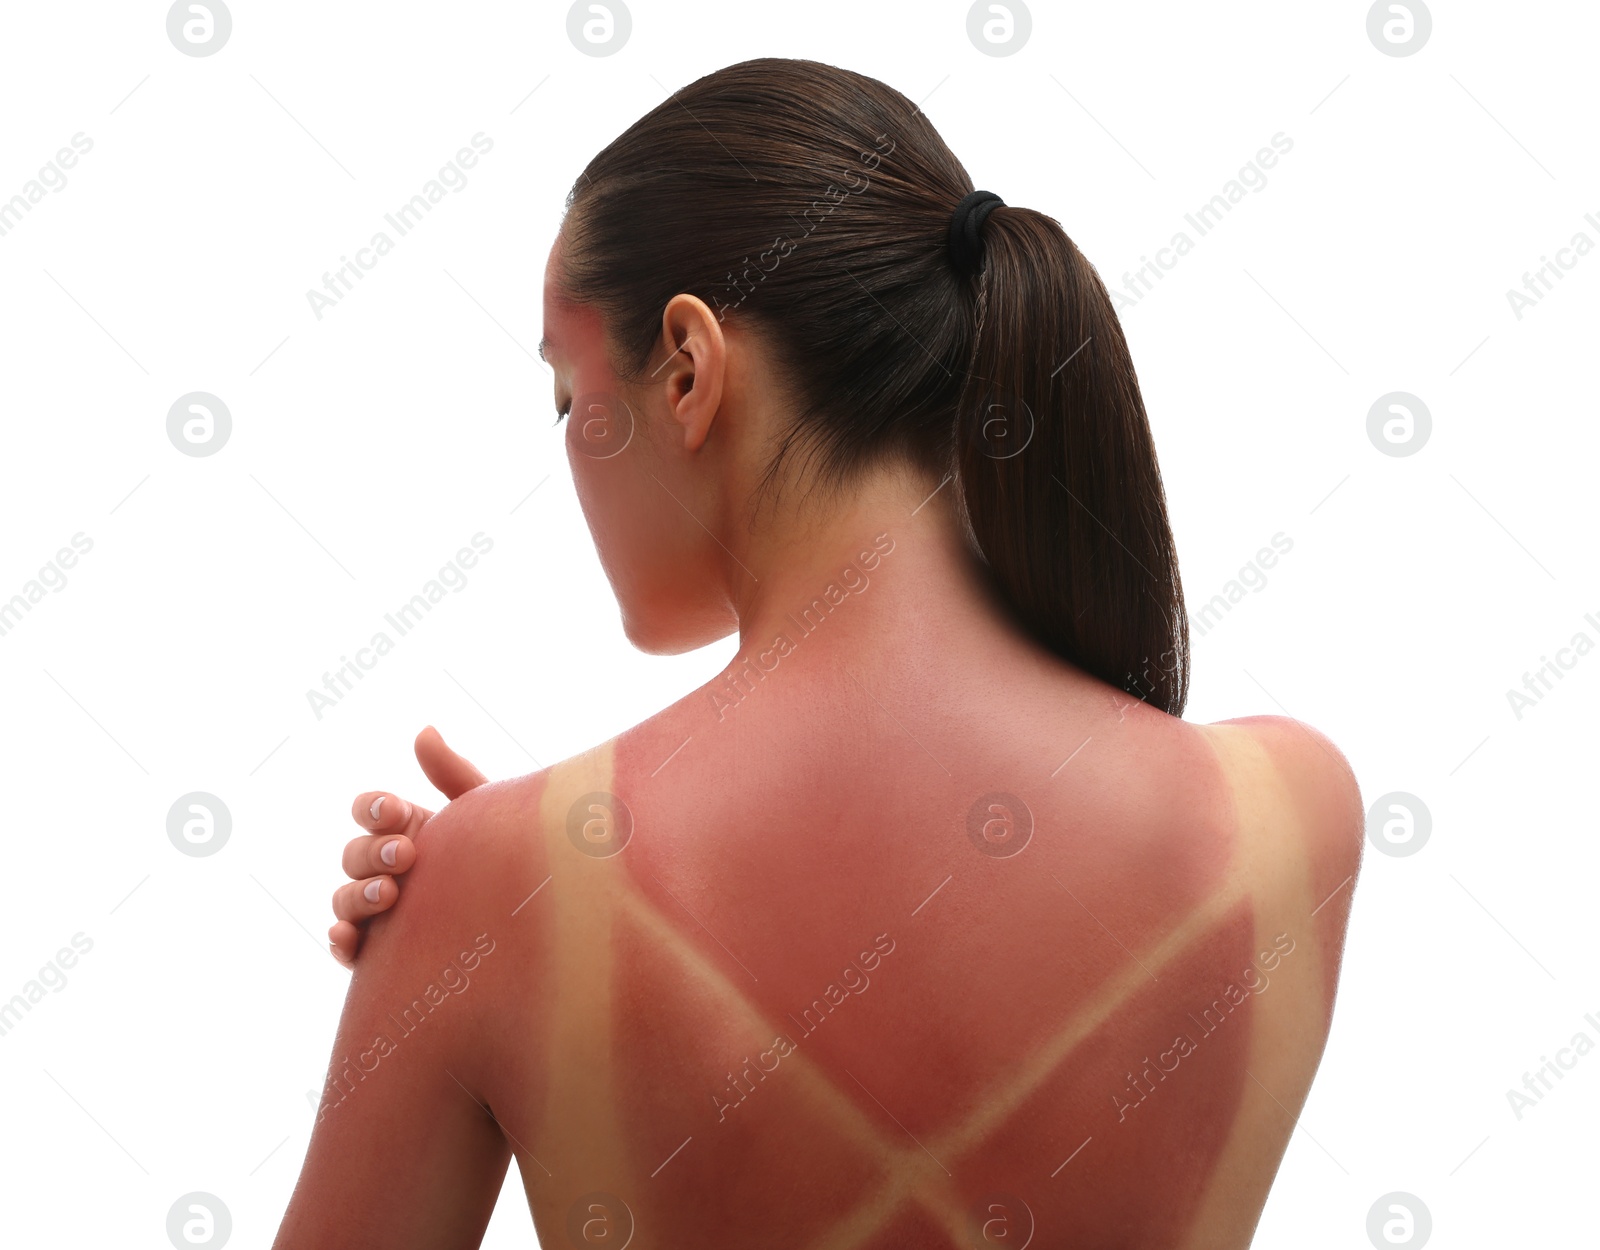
[(815, 203), (1058, 470)]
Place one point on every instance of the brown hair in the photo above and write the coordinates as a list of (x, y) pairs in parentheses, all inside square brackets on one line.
[(816, 203)]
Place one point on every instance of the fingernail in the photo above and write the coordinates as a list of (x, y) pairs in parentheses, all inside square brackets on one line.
[(371, 892), (387, 852), (376, 810)]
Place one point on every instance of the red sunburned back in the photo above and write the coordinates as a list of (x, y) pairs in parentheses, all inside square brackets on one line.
[(883, 959)]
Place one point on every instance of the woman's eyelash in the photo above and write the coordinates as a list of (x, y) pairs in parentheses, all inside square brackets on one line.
[(563, 412)]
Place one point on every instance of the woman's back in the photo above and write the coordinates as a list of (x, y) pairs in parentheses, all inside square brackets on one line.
[(921, 939), (905, 930)]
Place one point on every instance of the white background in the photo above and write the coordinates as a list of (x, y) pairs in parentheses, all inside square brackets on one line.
[(369, 445)]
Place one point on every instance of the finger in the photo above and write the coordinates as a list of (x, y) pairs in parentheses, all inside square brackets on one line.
[(378, 811), (360, 899), (376, 856), (344, 941), (452, 775)]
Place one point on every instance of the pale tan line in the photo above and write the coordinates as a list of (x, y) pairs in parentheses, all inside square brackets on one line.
[(661, 930), (896, 1160), (869, 1218), (904, 1165), (1089, 1018), (1296, 1120), (995, 1109), (581, 971)]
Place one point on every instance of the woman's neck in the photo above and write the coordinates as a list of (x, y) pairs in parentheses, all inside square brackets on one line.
[(887, 566)]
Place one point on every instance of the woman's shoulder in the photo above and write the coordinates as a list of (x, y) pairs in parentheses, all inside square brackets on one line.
[(493, 849), (1289, 778), (1304, 755), (473, 856)]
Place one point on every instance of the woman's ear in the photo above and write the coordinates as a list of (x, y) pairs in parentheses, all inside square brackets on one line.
[(695, 366)]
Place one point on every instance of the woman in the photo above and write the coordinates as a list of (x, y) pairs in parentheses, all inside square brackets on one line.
[(928, 922)]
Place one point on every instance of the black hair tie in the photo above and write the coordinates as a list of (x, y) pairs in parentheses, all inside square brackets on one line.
[(966, 229)]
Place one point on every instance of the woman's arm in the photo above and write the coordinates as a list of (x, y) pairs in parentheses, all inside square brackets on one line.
[(405, 1152)]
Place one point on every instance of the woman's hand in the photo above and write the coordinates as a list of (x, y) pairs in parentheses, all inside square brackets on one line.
[(387, 851)]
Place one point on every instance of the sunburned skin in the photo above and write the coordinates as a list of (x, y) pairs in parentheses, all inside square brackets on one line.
[(900, 932), (763, 986)]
